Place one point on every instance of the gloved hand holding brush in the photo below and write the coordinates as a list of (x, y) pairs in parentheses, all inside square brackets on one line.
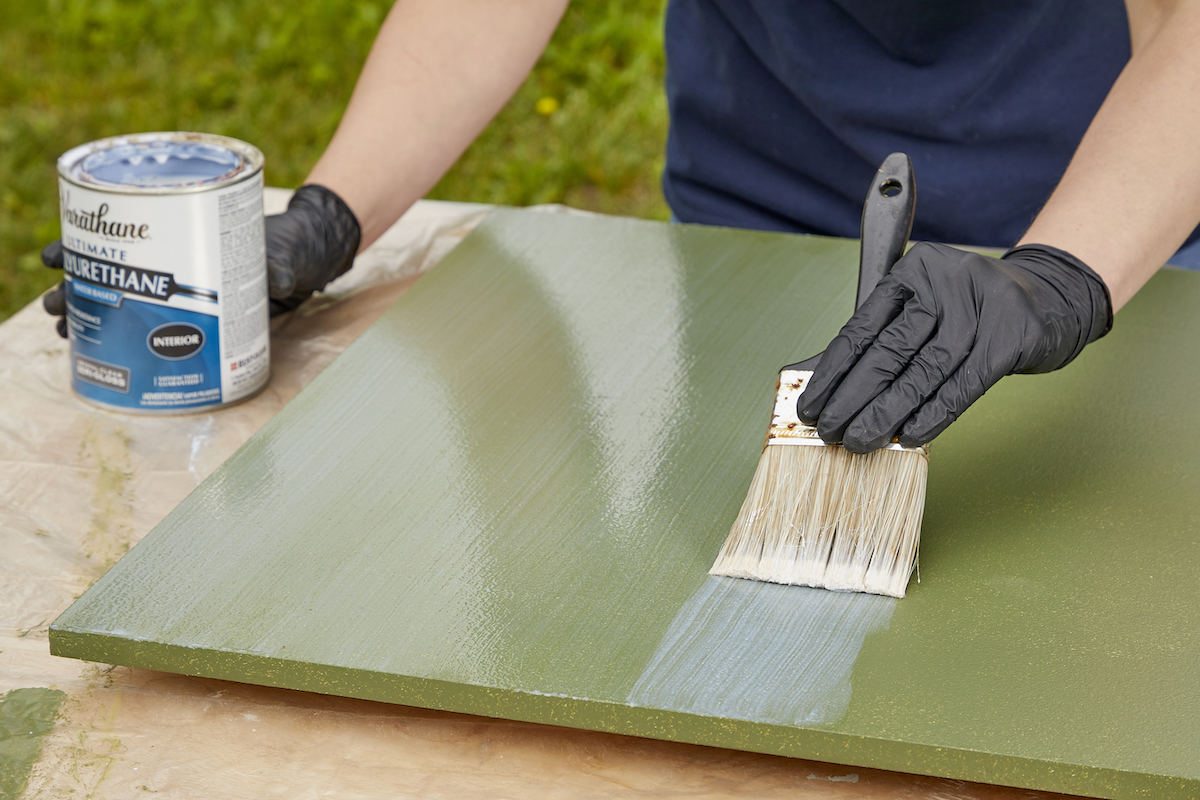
[(308, 245), (939, 330)]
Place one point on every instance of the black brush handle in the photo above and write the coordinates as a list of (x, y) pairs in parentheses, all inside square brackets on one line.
[(886, 223)]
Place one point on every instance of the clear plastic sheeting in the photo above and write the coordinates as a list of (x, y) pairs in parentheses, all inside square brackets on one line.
[(79, 486)]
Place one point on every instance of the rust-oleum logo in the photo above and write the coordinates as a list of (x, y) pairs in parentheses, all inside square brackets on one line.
[(175, 341)]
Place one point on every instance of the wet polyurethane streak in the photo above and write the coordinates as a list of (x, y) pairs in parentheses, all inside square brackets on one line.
[(762, 651), (26, 716)]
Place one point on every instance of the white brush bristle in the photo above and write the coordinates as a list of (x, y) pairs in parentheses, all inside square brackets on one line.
[(824, 517)]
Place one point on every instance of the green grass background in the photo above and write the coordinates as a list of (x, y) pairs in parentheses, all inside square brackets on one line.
[(279, 75)]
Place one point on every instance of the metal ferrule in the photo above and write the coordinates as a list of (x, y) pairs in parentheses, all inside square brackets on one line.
[(786, 427)]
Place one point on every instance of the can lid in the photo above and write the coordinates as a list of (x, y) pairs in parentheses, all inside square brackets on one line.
[(160, 162)]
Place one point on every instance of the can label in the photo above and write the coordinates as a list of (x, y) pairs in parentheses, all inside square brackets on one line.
[(166, 295)]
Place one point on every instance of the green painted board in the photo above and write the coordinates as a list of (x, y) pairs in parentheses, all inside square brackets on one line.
[(505, 496)]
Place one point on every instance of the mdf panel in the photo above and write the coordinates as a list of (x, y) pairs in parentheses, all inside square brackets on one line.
[(504, 498)]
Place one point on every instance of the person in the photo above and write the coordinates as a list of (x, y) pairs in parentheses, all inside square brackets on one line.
[(1061, 127)]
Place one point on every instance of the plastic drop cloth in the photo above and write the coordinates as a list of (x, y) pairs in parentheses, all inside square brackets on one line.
[(79, 486)]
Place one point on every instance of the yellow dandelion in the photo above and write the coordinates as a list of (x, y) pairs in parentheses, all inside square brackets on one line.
[(546, 106)]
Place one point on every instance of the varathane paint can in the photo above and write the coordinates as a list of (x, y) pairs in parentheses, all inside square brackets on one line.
[(166, 280)]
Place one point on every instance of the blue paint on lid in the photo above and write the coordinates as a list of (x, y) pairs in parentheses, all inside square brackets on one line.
[(161, 163)]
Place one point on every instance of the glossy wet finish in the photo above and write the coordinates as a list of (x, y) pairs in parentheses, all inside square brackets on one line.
[(505, 496)]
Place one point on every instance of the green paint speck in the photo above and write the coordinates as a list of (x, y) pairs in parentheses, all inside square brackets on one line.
[(26, 716)]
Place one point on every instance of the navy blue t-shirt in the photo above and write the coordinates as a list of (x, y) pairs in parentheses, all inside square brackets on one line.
[(782, 110)]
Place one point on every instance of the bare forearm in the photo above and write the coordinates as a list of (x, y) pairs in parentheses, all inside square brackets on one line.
[(438, 72), (1131, 194)]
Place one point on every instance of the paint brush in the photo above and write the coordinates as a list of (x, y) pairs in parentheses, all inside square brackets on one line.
[(816, 514)]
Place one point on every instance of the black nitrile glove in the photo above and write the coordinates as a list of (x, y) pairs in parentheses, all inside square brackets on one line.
[(55, 300), (308, 245), (939, 330)]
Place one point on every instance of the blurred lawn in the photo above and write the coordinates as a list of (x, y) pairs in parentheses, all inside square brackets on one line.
[(586, 129)]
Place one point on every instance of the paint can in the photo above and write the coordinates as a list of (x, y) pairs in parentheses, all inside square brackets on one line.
[(165, 271)]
